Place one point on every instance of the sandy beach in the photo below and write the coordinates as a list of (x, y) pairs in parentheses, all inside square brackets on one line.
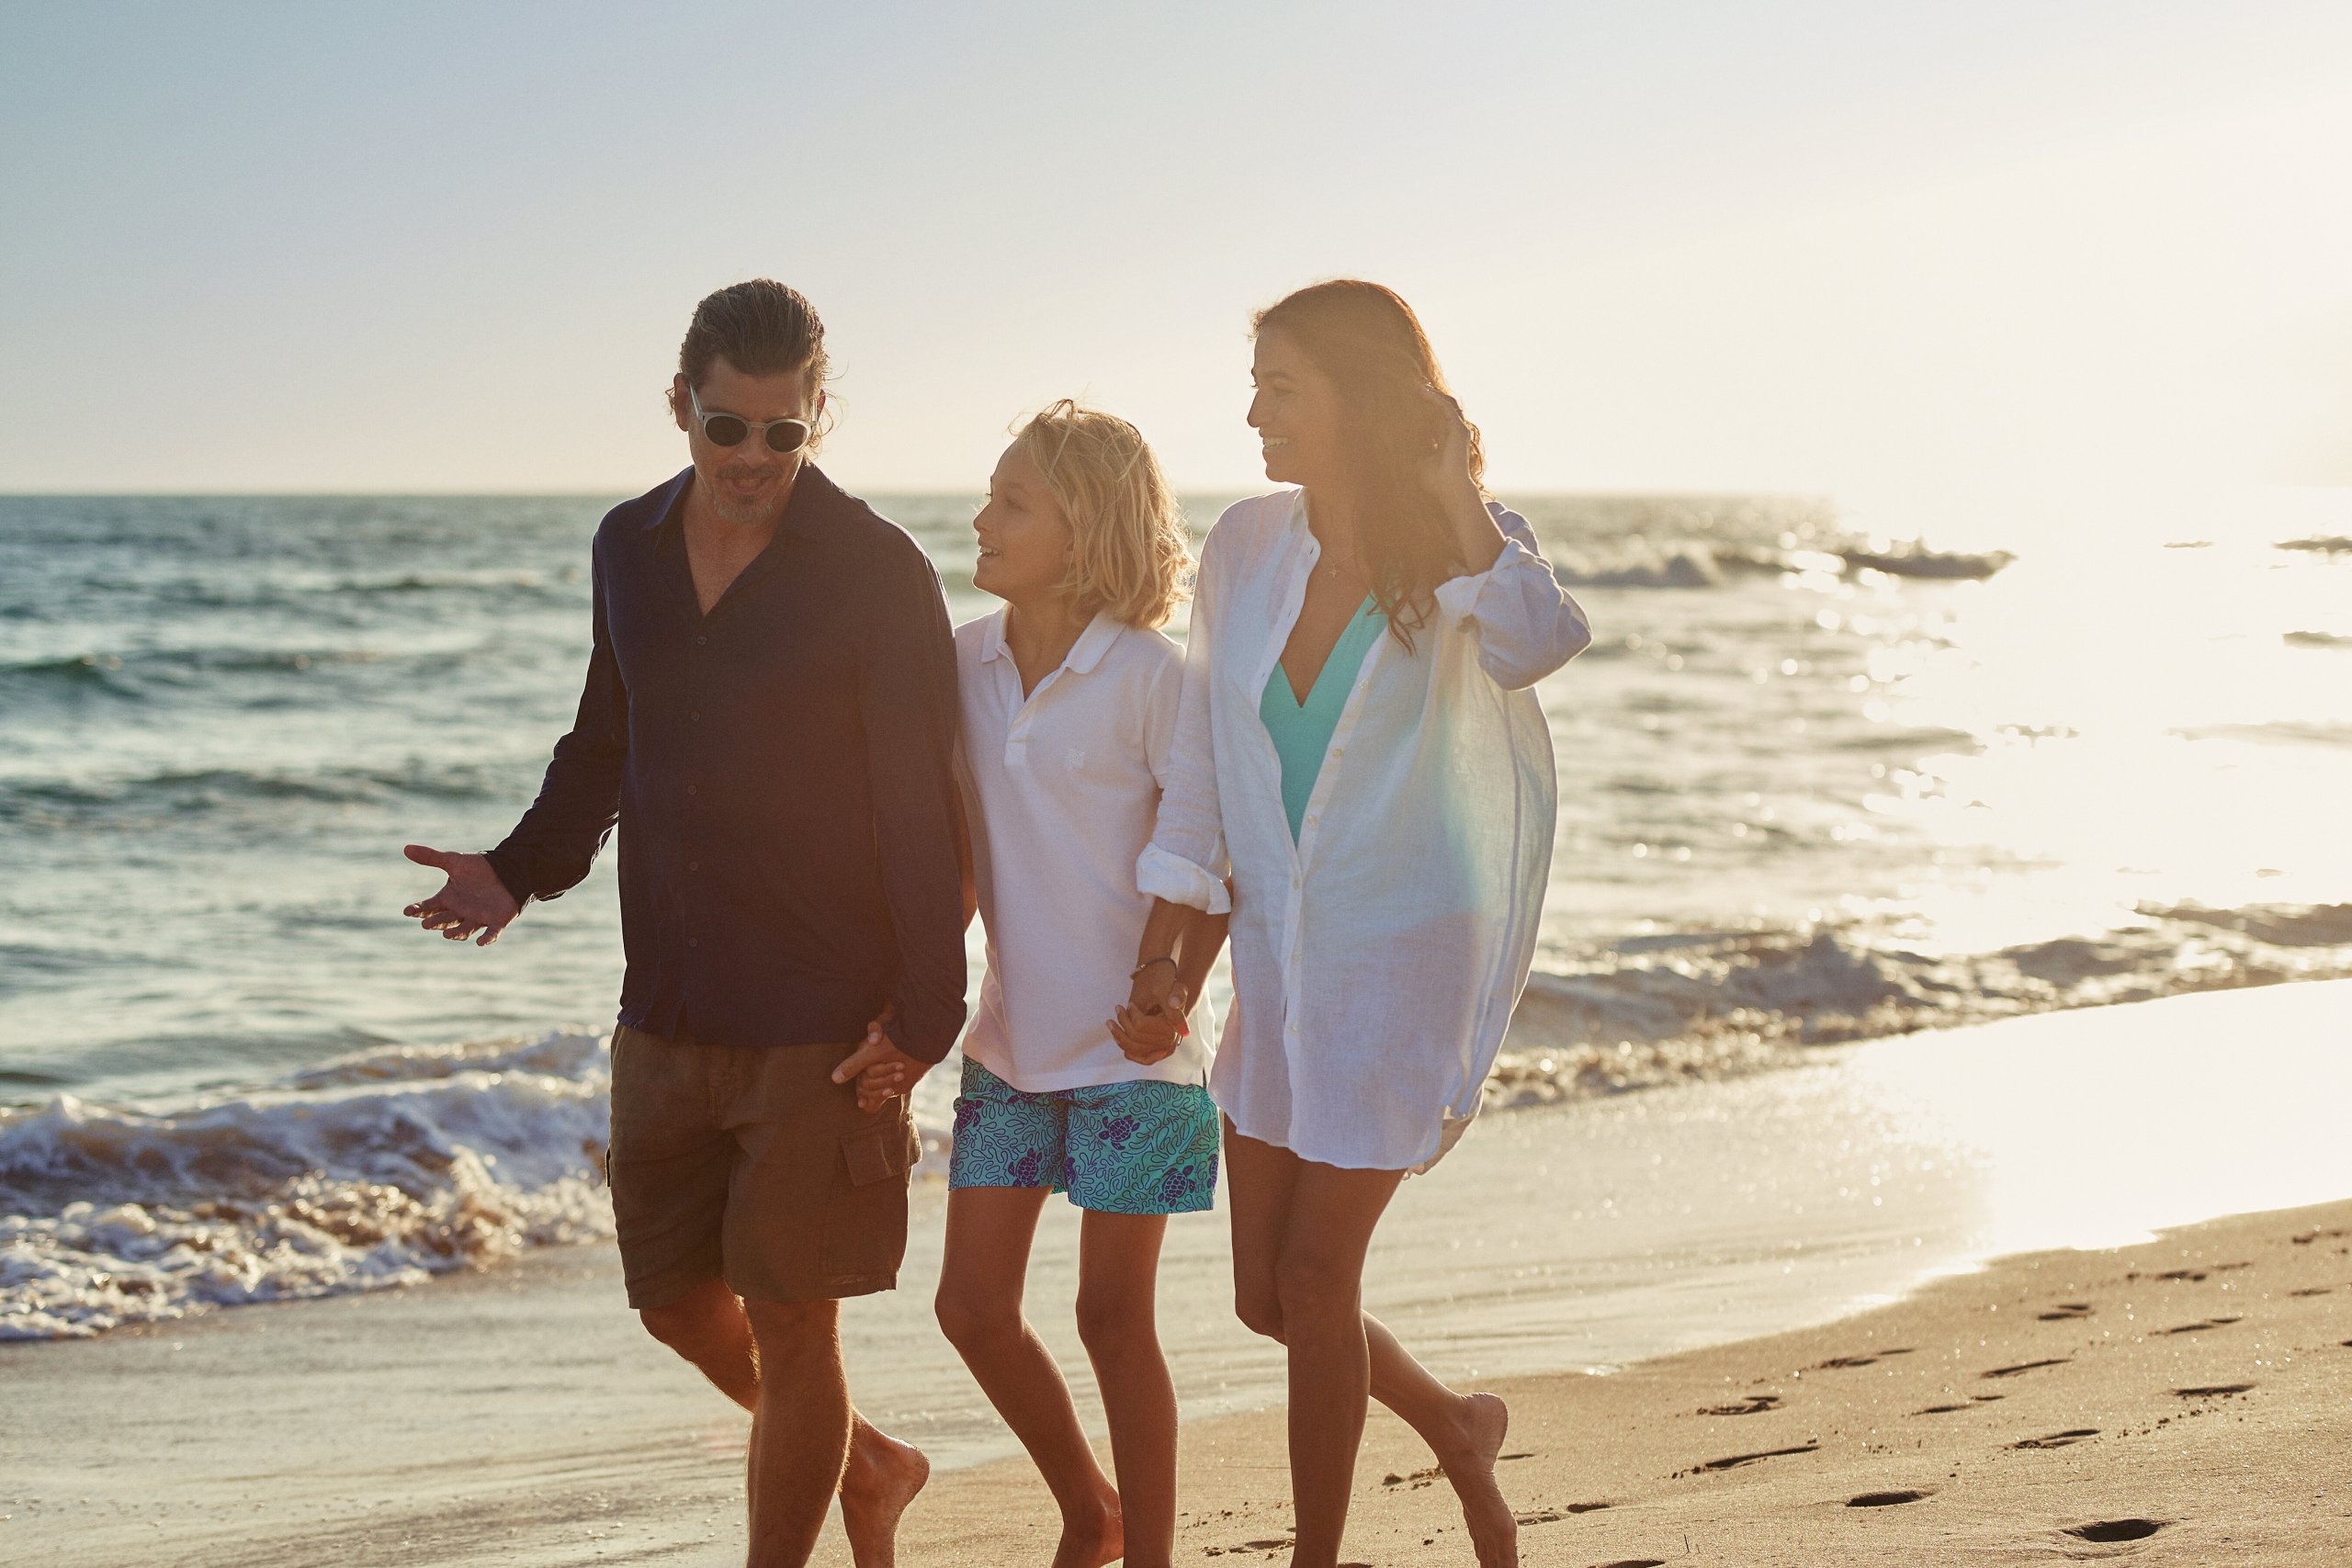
[(1616, 1267), (2188, 1400)]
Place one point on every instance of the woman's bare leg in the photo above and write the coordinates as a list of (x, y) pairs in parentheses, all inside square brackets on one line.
[(988, 1233), (1276, 1196), (1119, 1319)]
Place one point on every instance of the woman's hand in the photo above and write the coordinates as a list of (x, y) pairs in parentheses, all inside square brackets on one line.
[(1152, 1024), (1447, 474)]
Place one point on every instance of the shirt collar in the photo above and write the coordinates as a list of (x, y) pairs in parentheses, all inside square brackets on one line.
[(1083, 655), (810, 490), (667, 497), (1091, 645)]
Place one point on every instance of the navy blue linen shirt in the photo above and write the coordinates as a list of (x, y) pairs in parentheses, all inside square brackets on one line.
[(781, 771)]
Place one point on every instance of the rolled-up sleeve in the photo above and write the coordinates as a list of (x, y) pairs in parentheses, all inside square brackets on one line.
[(552, 847), (1185, 861), (907, 706), (1527, 625)]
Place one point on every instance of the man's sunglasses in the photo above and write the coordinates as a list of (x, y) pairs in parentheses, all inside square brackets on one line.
[(728, 430)]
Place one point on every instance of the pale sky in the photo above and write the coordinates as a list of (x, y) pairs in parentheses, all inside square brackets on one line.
[(1775, 244)]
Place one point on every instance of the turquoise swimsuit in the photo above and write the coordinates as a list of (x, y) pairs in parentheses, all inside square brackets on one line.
[(1302, 732)]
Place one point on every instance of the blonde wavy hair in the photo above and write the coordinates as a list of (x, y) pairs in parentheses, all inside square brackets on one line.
[(1131, 550)]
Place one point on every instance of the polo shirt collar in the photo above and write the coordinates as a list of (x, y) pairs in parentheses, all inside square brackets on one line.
[(1091, 644), (1083, 655)]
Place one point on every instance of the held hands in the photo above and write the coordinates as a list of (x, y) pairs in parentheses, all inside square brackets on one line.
[(881, 1069), (472, 902), (1152, 1024)]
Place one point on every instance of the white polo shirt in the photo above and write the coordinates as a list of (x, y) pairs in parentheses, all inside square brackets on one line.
[(1061, 790)]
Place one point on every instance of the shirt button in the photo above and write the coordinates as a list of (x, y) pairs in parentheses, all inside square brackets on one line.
[(693, 789), (693, 941), (694, 865), (700, 641), (695, 717)]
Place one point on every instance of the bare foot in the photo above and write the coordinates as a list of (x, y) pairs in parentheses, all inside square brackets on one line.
[(1471, 1468), (883, 1477), (1094, 1538)]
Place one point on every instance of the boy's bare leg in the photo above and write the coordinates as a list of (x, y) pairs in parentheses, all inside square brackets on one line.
[(1117, 1317), (988, 1233), (709, 1329)]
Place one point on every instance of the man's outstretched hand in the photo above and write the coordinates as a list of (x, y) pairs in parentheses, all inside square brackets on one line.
[(881, 1069), (471, 904)]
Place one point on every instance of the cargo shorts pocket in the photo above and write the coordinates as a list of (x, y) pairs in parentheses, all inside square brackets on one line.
[(865, 1226)]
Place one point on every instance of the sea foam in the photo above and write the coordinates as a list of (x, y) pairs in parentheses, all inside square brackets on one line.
[(374, 1170)]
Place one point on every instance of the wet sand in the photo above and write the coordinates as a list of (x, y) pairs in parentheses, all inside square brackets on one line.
[(520, 1417)]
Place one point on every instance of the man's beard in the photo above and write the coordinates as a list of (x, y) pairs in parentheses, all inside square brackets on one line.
[(763, 508)]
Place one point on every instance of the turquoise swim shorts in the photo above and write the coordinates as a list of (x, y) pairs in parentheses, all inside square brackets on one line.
[(1123, 1148)]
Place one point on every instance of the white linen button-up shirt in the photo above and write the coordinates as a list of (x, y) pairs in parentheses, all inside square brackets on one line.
[(1060, 788), (1375, 960)]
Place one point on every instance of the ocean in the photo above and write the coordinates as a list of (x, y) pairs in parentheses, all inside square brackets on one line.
[(1817, 784)]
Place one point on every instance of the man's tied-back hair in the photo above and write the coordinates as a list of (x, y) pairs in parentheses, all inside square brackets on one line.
[(762, 328), (1131, 550)]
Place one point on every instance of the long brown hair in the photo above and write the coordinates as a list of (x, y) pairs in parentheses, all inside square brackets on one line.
[(1367, 340)]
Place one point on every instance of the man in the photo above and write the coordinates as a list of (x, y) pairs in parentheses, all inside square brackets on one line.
[(770, 717)]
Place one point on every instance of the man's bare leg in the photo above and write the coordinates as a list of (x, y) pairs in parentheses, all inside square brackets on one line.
[(708, 1327), (799, 1427)]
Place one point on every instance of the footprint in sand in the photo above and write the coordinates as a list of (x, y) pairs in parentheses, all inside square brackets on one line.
[(1974, 1400), (1423, 1477), (2218, 1390), (2107, 1530), (1888, 1499), (2311, 1291), (1736, 1460), (2027, 1366), (1754, 1405), (2057, 1439), (1418, 1478), (1836, 1363), (1634, 1562), (1554, 1516), (2065, 1309), (2201, 1328)]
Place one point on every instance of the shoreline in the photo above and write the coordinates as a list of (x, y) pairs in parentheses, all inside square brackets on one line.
[(519, 1416)]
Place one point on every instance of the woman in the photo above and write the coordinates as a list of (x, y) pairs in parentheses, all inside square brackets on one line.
[(1357, 735)]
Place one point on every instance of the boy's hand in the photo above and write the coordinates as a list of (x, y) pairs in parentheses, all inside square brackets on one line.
[(881, 1069)]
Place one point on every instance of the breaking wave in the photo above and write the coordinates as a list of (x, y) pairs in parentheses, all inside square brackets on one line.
[(1638, 563), (1714, 1005), (389, 1167), (381, 1169)]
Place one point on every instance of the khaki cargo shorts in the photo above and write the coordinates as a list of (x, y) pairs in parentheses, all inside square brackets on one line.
[(749, 1164)]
